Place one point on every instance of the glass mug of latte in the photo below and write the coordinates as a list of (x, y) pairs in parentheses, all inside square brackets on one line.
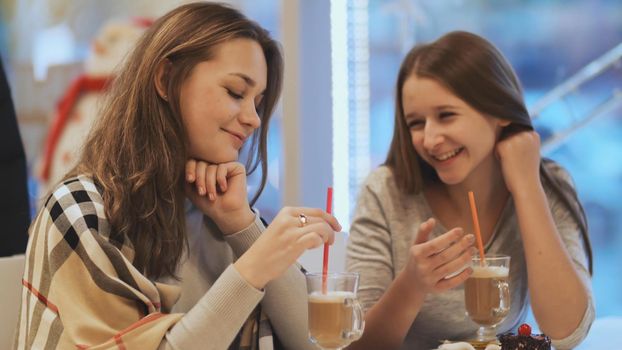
[(336, 316), (487, 294)]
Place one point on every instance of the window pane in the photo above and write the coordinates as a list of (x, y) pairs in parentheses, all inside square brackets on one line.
[(546, 42)]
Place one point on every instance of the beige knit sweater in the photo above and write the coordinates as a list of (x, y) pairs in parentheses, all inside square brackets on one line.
[(82, 291)]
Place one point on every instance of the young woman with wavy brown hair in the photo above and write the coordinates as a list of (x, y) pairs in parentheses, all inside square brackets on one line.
[(461, 125), (151, 242)]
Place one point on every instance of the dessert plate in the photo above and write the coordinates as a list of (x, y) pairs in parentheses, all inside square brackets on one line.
[(470, 345)]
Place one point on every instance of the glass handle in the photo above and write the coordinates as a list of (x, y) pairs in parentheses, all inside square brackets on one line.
[(504, 296), (358, 322)]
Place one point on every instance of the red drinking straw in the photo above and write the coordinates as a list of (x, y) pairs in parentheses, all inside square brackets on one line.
[(329, 209), (478, 233)]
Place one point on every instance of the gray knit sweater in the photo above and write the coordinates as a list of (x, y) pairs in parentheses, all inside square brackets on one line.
[(216, 299), (384, 228)]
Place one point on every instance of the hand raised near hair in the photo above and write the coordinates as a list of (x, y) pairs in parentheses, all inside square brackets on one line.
[(219, 191), (431, 263), (519, 155), (284, 241)]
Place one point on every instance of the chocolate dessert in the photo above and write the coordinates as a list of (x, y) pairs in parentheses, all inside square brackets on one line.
[(524, 340)]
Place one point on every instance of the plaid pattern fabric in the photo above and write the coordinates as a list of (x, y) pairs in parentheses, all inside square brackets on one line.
[(256, 334), (81, 291)]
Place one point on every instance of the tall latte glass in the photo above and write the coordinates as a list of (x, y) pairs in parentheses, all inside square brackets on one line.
[(335, 315), (487, 294)]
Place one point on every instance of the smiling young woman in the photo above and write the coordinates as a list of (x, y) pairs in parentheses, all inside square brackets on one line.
[(461, 125), (150, 242)]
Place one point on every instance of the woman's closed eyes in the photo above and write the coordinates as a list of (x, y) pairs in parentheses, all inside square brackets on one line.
[(235, 95), (419, 123)]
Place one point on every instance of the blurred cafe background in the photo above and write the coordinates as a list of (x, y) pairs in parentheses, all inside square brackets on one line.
[(335, 119)]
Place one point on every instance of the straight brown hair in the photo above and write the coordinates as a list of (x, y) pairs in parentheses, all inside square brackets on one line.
[(137, 151), (476, 72)]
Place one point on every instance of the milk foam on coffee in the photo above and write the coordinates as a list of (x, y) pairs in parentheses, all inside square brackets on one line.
[(490, 271), (330, 297)]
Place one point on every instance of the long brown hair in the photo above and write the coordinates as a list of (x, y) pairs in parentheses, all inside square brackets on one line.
[(475, 71), (137, 150)]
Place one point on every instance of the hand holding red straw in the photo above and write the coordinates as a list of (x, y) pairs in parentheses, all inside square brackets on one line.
[(478, 233), (329, 206)]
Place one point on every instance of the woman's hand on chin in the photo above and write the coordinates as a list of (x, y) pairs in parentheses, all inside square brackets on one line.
[(519, 155), (219, 191)]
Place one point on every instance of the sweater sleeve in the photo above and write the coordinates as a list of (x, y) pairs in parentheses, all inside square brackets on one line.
[(369, 247), (285, 300), (217, 317), (223, 309), (573, 241)]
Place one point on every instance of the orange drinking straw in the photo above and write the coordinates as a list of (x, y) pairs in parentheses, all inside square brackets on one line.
[(329, 209), (478, 233)]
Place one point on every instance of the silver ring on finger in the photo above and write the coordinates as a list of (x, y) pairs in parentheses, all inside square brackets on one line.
[(302, 218)]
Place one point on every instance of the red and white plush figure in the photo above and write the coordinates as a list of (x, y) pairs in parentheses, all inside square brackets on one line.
[(78, 108)]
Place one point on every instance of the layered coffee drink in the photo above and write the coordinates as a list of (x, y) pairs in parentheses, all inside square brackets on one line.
[(330, 317), (486, 294)]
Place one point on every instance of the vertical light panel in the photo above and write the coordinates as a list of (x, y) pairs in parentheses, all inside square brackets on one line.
[(359, 101), (340, 111), (291, 104)]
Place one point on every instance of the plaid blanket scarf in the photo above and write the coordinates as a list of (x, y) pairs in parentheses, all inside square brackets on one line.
[(81, 291)]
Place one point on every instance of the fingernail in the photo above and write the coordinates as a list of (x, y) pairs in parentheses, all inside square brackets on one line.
[(470, 238), (212, 197), (190, 178), (201, 190)]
